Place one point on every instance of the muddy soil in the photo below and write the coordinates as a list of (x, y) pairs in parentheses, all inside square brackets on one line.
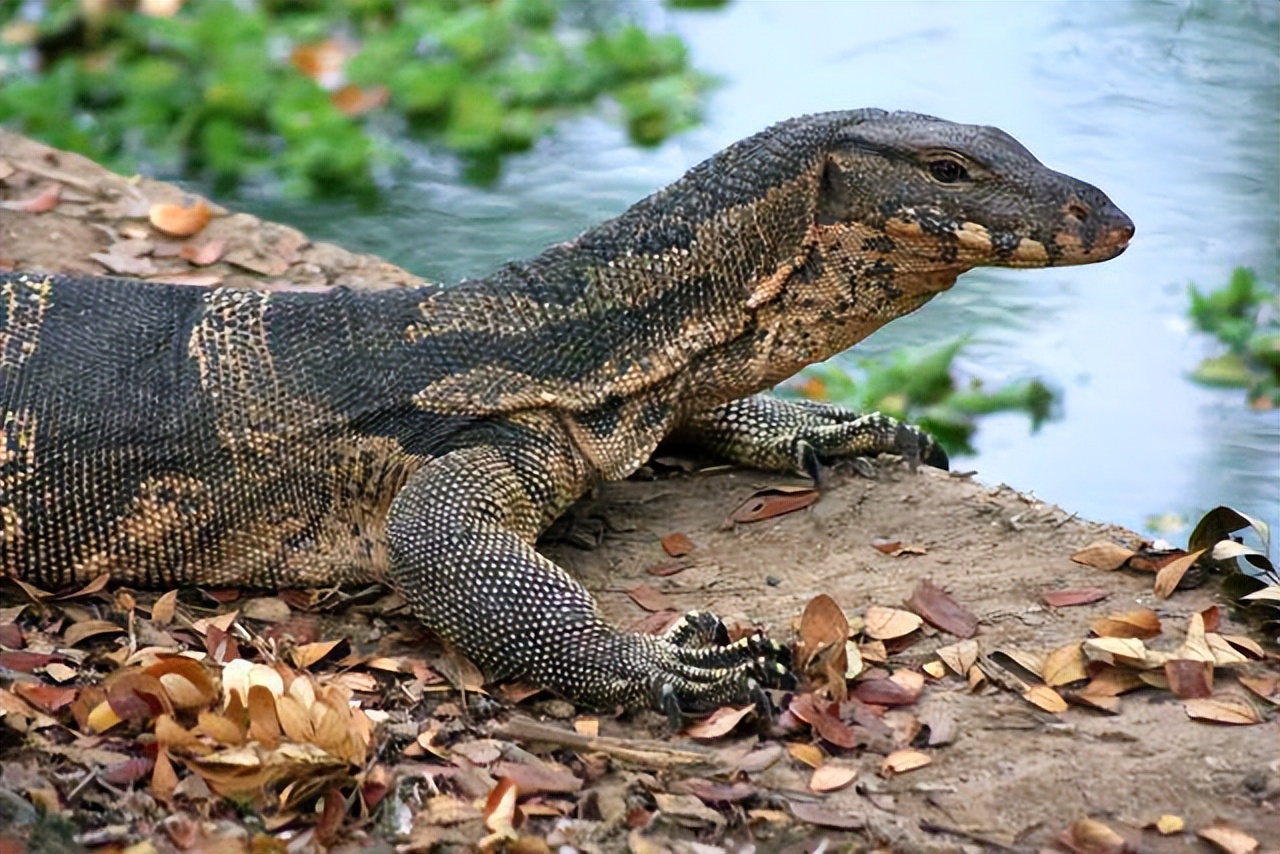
[(1014, 776)]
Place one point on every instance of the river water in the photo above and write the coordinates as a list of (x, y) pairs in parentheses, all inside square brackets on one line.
[(1173, 109)]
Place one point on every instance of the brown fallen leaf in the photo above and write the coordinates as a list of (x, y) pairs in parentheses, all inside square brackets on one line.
[(816, 713), (941, 610), (205, 254), (538, 777), (501, 814), (1171, 573), (1063, 666), (1266, 686), (46, 698), (830, 777), (1168, 824), (1228, 839), (77, 632), (771, 502), (719, 723), (123, 265), (650, 598), (1189, 680), (1075, 596), (677, 544), (42, 202), (902, 761), (1044, 697), (822, 625), (885, 545), (809, 754), (1222, 710), (881, 623), (1103, 554), (960, 657), (710, 792), (1090, 836), (1142, 623), (181, 220)]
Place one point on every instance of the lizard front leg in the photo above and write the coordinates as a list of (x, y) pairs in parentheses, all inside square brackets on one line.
[(461, 534), (798, 436)]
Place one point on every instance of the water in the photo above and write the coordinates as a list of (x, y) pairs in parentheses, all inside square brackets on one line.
[(1172, 108)]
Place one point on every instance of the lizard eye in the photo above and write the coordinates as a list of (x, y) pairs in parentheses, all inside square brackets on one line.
[(947, 171)]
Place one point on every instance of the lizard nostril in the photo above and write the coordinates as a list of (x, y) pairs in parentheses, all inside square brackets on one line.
[(1079, 210)]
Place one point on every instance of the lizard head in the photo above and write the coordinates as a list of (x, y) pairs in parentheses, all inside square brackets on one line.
[(953, 196)]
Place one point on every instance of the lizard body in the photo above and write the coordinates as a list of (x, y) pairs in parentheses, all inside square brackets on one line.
[(425, 437)]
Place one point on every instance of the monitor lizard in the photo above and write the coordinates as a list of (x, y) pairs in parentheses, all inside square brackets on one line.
[(173, 435)]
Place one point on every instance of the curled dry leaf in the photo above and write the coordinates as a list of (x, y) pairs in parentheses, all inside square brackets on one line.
[(941, 610), (205, 254), (771, 502), (830, 777), (164, 608), (960, 657), (181, 220), (1104, 555), (881, 623), (1222, 710), (1128, 652), (902, 761), (1170, 574), (677, 544), (822, 624), (719, 723), (42, 202), (77, 632), (1141, 623), (1090, 836)]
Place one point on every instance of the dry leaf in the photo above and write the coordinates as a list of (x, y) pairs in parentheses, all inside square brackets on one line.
[(902, 761), (823, 624), (1222, 710), (1167, 825), (163, 610), (650, 598), (42, 202), (1267, 687), (1171, 573), (941, 610), (1104, 555), (883, 623), (829, 777), (1228, 839), (1142, 623), (960, 657), (590, 727), (719, 723), (204, 255), (1075, 596), (1044, 697), (771, 502), (817, 714), (809, 754), (180, 220), (77, 632), (1130, 652), (1063, 666), (1089, 836), (677, 545)]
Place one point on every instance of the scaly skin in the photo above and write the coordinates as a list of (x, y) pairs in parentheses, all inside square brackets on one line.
[(171, 435)]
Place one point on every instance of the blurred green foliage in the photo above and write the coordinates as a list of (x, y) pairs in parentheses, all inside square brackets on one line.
[(313, 93), (1244, 315), (918, 385)]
